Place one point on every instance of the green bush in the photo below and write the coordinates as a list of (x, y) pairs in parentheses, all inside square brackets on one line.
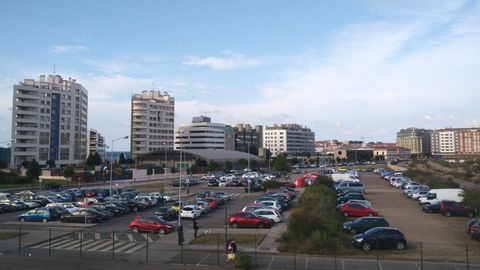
[(431, 179), (271, 184), (472, 197), (243, 261), (13, 179), (325, 180)]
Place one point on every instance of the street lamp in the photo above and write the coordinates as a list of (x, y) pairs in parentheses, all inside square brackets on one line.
[(165, 168), (180, 179), (111, 163)]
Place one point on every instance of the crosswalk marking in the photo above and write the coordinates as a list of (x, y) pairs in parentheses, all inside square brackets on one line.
[(102, 245)]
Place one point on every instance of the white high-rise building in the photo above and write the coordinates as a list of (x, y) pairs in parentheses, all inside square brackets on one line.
[(152, 127), (292, 139), (49, 121), (203, 134), (96, 143)]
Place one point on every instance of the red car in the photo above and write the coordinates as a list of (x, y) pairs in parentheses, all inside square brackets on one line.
[(248, 220), (452, 208), (151, 224), (212, 202), (357, 210)]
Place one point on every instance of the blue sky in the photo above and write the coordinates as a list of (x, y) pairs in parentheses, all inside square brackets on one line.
[(346, 69)]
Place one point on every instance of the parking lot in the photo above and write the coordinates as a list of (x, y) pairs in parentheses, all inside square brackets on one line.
[(439, 237)]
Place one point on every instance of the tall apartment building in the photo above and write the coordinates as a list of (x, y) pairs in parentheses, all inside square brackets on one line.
[(444, 142), (49, 121), (203, 134), (416, 139), (96, 143), (152, 127), (248, 136), (469, 141), (456, 143), (292, 139)]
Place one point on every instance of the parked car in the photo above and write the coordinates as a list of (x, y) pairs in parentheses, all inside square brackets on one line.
[(248, 220), (350, 196), (166, 213), (380, 238), (151, 224), (81, 216), (53, 185), (452, 208), (364, 224), (473, 229), (431, 208), (212, 202), (270, 203), (204, 206), (271, 214), (190, 211), (437, 195), (357, 210), (364, 202), (42, 214)]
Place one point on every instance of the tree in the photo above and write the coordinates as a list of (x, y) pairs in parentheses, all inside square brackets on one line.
[(281, 163), (213, 165), (90, 160), (68, 172), (97, 160), (3, 164), (50, 163), (228, 165), (253, 163), (253, 150), (121, 159), (243, 163), (33, 170)]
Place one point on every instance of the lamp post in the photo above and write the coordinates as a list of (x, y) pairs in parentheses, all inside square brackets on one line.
[(248, 167), (111, 163), (165, 168), (180, 181)]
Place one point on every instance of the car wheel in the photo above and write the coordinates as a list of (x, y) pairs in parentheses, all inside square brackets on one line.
[(470, 214), (161, 231), (272, 221), (400, 246), (135, 230), (44, 220), (22, 219), (345, 214), (448, 214), (261, 225), (366, 246), (353, 231), (234, 225)]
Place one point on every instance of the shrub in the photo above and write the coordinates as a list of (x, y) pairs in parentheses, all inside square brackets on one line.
[(472, 197), (325, 180), (270, 184), (243, 261)]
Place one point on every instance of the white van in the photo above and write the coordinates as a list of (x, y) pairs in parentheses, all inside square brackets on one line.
[(436, 195)]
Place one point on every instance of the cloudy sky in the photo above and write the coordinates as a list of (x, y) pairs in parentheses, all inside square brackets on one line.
[(346, 69)]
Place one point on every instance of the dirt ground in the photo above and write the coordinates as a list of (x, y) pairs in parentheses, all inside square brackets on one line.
[(432, 236)]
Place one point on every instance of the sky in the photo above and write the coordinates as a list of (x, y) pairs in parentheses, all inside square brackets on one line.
[(349, 70)]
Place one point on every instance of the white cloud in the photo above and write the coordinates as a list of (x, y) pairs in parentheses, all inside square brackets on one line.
[(229, 61), (69, 48)]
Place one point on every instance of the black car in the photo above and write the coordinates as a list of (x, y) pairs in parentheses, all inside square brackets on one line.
[(213, 182), (166, 213), (364, 224), (380, 238), (431, 208), (350, 196), (81, 216), (53, 186)]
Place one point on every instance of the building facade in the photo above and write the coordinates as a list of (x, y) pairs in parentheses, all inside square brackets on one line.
[(203, 134), (416, 139), (393, 153), (96, 143), (292, 139), (247, 136), (49, 121), (153, 119), (469, 142), (456, 143)]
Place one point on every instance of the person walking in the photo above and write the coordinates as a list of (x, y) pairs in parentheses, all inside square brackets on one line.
[(232, 250), (195, 228)]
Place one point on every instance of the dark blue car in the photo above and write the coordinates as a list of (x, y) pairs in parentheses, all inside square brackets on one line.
[(40, 214)]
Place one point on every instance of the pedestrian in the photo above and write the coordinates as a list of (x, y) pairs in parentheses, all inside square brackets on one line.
[(195, 228), (232, 250)]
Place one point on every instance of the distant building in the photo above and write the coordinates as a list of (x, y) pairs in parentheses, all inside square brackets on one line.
[(469, 141), (153, 118), (248, 136), (456, 143), (393, 153), (203, 134), (416, 139), (292, 139), (96, 143), (353, 154), (5, 154), (49, 121)]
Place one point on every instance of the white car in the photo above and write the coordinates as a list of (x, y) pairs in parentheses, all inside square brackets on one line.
[(419, 194), (148, 198), (69, 206), (190, 211), (223, 182), (158, 195), (271, 214), (204, 206), (250, 175), (271, 203), (364, 202)]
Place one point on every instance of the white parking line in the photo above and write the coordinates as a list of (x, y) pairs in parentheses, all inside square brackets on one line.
[(271, 261), (306, 263), (418, 267), (380, 265), (204, 258), (343, 265), (456, 267)]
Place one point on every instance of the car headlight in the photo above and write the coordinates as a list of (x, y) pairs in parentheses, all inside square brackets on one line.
[(359, 240)]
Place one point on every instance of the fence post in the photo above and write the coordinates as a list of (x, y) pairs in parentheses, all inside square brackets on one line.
[(218, 249), (113, 246), (335, 256), (255, 240), (50, 242), (466, 253), (295, 257), (81, 243), (146, 251), (19, 240), (421, 255), (181, 253)]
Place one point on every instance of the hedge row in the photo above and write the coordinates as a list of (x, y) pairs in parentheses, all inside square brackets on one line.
[(431, 179)]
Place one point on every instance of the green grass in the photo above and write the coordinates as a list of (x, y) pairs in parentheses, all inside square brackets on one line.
[(150, 187), (37, 184), (8, 235), (240, 239)]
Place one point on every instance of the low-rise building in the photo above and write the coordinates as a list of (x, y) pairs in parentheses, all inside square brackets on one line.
[(392, 153)]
